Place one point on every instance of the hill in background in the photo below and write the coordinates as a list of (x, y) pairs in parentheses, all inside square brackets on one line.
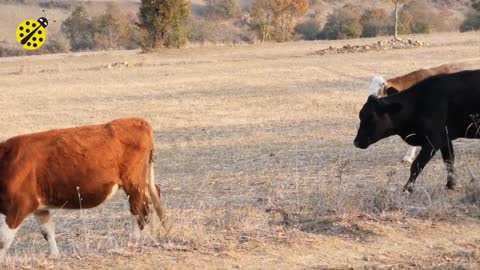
[(229, 31)]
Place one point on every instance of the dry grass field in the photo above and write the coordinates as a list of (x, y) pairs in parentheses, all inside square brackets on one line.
[(255, 157)]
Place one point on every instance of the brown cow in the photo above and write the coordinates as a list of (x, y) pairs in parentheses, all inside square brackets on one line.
[(76, 168), (381, 87)]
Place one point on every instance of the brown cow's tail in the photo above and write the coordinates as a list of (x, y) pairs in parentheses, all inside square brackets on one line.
[(155, 194)]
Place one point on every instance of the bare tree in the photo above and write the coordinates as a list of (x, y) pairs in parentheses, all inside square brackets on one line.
[(398, 5)]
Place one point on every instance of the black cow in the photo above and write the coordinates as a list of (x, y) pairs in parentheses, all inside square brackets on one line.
[(429, 114)]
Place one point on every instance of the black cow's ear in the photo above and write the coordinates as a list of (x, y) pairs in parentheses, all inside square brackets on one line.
[(373, 99), (391, 108), (391, 90)]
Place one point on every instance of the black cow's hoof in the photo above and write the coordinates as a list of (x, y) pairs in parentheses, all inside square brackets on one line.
[(450, 186), (408, 189)]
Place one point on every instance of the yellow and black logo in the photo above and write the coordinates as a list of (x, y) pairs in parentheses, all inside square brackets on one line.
[(31, 34)]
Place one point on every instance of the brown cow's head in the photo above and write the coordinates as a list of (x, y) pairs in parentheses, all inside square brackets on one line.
[(376, 86), (375, 121), (380, 88), (388, 90)]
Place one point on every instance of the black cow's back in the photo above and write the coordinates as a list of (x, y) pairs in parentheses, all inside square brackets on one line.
[(442, 103)]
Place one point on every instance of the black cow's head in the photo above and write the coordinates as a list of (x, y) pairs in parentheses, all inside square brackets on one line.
[(375, 121)]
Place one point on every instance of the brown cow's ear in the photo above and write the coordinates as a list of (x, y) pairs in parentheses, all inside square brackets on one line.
[(391, 90)]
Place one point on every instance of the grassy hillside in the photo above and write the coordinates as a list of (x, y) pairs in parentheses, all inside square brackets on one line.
[(12, 14)]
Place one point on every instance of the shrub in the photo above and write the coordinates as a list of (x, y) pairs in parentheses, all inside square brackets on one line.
[(207, 31), (405, 22), (56, 44), (79, 30), (276, 19), (309, 29), (421, 27), (343, 23), (111, 30), (263, 15), (375, 22), (106, 28), (471, 22), (164, 22), (6, 51), (132, 37), (422, 17), (476, 5), (55, 4), (22, 2), (222, 9)]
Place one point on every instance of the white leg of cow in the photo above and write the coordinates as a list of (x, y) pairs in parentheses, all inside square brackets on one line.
[(6, 236), (135, 234), (47, 228), (410, 155)]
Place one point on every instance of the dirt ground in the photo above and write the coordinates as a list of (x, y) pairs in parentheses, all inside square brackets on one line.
[(255, 157)]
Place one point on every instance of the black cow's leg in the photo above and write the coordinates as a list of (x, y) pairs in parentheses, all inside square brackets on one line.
[(449, 159), (418, 164)]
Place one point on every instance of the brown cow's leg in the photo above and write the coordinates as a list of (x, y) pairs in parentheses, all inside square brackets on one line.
[(10, 223), (138, 207), (136, 232), (47, 228)]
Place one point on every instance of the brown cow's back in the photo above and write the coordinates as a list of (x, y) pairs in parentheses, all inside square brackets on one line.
[(408, 80)]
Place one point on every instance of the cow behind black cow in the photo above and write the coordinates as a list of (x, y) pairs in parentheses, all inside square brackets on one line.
[(430, 114)]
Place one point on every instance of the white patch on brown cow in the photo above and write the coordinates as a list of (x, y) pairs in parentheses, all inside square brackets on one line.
[(136, 232), (42, 206), (112, 192), (6, 236), (49, 230)]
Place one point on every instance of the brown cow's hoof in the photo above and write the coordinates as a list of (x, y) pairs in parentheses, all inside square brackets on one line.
[(54, 256), (167, 225), (133, 244)]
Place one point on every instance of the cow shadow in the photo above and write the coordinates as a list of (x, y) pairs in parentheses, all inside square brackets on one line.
[(332, 226), (336, 228)]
